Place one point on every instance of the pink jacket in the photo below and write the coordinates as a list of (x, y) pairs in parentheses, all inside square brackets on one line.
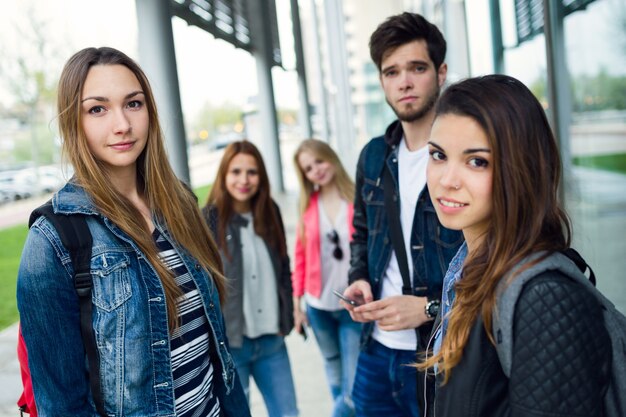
[(306, 276)]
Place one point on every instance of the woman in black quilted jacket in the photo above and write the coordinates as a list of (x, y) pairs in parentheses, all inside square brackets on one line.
[(494, 173)]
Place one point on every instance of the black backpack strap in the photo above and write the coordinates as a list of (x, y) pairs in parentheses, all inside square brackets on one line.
[(76, 238), (575, 257), (395, 230)]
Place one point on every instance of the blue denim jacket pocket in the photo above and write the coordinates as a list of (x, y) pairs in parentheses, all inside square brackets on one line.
[(111, 280)]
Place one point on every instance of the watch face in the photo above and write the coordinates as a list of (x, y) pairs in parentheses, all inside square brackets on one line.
[(433, 309)]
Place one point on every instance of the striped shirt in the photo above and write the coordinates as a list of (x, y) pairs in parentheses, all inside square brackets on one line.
[(190, 343)]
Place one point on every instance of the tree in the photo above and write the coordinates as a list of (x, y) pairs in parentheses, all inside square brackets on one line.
[(30, 77)]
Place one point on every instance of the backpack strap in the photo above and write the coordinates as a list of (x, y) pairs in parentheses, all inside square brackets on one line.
[(395, 230), (76, 237), (575, 257)]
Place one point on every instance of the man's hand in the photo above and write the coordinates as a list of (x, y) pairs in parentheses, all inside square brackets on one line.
[(399, 312), (361, 292)]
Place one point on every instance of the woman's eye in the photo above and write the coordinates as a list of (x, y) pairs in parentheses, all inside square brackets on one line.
[(437, 155), (96, 110), (135, 104), (478, 162)]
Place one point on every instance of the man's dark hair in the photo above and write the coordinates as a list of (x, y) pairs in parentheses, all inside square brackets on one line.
[(404, 28)]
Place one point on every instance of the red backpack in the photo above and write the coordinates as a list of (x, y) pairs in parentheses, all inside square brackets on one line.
[(26, 403), (76, 238)]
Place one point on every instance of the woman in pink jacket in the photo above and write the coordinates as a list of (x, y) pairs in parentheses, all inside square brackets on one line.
[(322, 260)]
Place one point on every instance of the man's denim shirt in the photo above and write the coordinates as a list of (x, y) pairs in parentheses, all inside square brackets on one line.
[(129, 318), (432, 245)]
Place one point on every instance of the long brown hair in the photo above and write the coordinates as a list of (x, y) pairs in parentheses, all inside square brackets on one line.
[(267, 224), (168, 199), (323, 151), (527, 216)]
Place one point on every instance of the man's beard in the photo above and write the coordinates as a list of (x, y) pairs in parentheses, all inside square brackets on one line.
[(412, 115)]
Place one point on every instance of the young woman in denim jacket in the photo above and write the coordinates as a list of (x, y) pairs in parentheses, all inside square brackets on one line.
[(249, 232), (494, 173), (156, 271), (322, 260)]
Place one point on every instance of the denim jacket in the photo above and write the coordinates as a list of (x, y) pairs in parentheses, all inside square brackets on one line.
[(129, 319), (432, 245)]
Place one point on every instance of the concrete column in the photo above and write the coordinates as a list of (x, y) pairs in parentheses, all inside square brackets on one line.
[(266, 105), (456, 37), (157, 57), (305, 109), (496, 37), (559, 96), (322, 112), (344, 132)]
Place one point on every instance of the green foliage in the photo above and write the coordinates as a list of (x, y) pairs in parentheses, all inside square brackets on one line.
[(612, 162), (599, 92), (202, 193), (215, 120), (11, 244), (44, 146)]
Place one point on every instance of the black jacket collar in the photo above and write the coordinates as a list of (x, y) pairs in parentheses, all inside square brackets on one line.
[(394, 133)]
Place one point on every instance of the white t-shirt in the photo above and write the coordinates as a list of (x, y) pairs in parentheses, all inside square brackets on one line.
[(412, 180)]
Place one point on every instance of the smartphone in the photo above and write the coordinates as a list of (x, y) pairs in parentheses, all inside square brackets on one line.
[(346, 299), (303, 332)]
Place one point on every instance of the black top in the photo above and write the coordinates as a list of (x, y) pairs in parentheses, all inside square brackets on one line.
[(561, 359)]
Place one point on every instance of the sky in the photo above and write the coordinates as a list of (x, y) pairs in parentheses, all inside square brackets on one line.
[(209, 70)]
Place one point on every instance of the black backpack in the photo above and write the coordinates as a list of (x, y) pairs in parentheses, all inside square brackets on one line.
[(76, 237), (571, 264)]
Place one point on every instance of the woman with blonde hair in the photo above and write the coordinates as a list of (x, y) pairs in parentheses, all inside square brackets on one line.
[(155, 269), (494, 173), (249, 231), (322, 260)]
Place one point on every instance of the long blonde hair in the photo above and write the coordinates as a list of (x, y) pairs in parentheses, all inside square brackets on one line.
[(527, 215), (323, 151), (167, 197)]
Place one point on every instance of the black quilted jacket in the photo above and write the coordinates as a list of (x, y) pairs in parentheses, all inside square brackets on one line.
[(561, 359)]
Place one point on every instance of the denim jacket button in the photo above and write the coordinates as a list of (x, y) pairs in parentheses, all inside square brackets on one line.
[(212, 305), (197, 267)]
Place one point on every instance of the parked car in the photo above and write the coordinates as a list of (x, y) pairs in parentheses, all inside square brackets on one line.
[(50, 179), (27, 182), (11, 189)]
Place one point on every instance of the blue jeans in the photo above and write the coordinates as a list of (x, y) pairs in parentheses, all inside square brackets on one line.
[(384, 385), (338, 338), (265, 358)]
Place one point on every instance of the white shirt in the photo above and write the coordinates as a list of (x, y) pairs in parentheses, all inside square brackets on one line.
[(412, 180), (260, 294)]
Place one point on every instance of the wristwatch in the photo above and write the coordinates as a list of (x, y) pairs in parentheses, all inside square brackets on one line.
[(432, 308)]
